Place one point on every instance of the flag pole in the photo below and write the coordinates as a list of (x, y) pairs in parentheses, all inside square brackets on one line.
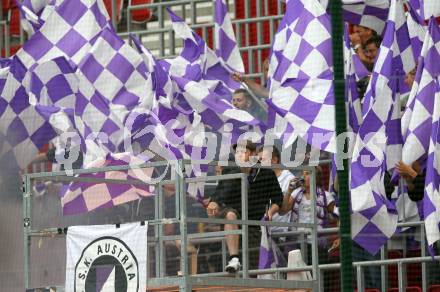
[(341, 127)]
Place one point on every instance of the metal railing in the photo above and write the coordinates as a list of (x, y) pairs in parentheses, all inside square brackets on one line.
[(186, 281), (244, 277)]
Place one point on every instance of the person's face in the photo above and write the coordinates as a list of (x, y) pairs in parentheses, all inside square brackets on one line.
[(265, 68), (371, 52), (218, 170), (363, 32), (409, 78), (243, 154), (306, 176), (240, 101), (169, 190), (267, 158)]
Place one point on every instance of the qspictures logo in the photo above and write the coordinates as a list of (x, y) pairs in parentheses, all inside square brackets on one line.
[(107, 264)]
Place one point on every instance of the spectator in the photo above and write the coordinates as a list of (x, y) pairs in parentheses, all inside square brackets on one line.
[(359, 38), (414, 176), (270, 156), (371, 50), (241, 99), (409, 81), (264, 197), (300, 203), (50, 156), (361, 34), (259, 90)]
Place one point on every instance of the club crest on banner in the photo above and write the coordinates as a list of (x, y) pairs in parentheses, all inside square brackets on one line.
[(107, 262), (105, 258)]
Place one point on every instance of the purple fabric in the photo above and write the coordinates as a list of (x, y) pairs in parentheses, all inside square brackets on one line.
[(24, 129), (302, 63), (371, 209), (225, 44)]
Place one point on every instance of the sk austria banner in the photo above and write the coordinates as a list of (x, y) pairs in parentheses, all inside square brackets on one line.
[(106, 258)]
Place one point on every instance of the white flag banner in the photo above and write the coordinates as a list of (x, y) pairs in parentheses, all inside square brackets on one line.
[(106, 258)]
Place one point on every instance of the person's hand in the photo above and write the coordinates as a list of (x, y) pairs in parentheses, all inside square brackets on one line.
[(406, 171), (335, 245), (294, 183), (269, 216), (237, 77), (213, 209), (205, 202)]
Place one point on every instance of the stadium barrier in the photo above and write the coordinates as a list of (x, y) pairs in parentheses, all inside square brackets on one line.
[(54, 226)]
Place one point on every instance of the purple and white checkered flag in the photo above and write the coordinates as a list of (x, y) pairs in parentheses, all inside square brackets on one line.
[(431, 199), (416, 32), (52, 90), (417, 119), (67, 31), (425, 9), (378, 145), (35, 12), (402, 55), (225, 42), (168, 126), (203, 82), (368, 13), (82, 197), (301, 73), (197, 62), (25, 131), (270, 254), (111, 84)]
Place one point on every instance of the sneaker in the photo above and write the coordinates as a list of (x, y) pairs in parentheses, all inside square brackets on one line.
[(233, 265)]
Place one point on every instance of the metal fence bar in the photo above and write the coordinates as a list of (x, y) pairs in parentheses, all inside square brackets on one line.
[(360, 279), (315, 252), (185, 286), (401, 281), (161, 21), (27, 186), (341, 127), (162, 256), (50, 175), (423, 254), (114, 16), (384, 269), (245, 228)]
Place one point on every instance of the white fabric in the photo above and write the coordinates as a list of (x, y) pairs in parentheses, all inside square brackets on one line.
[(285, 177), (305, 211), (126, 246)]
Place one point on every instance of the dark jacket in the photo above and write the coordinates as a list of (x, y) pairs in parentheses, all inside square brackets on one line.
[(415, 194), (419, 187), (263, 190)]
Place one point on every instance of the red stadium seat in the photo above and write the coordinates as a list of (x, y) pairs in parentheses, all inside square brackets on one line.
[(14, 22), (108, 6), (251, 38), (209, 37), (141, 15), (414, 270), (392, 269), (6, 5), (434, 288), (13, 50)]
